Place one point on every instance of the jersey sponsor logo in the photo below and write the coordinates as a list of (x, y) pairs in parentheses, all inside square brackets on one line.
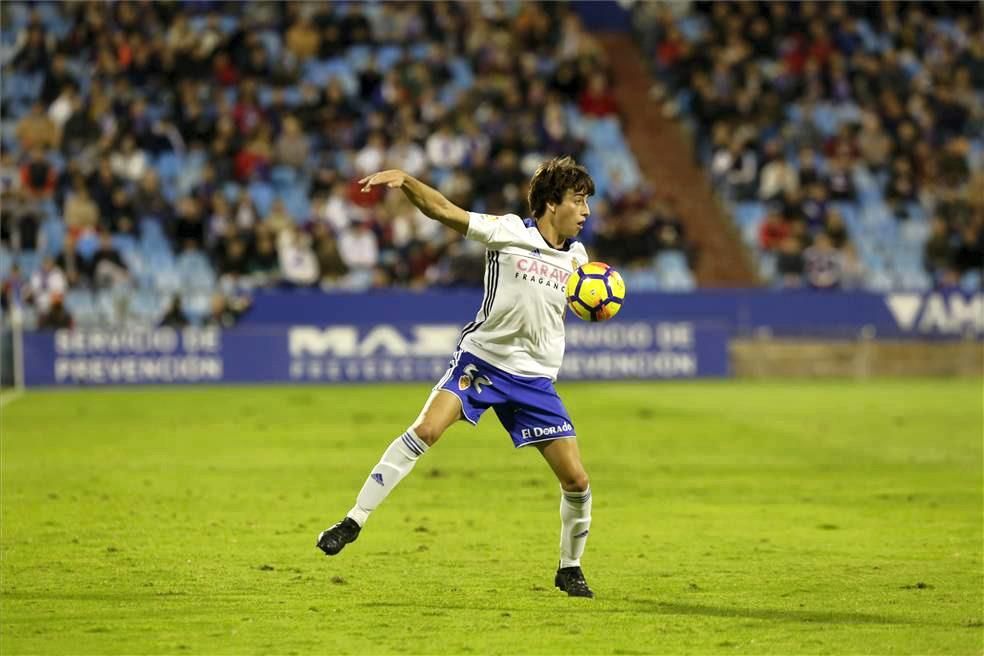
[(546, 431), (540, 268), (540, 272), (471, 378)]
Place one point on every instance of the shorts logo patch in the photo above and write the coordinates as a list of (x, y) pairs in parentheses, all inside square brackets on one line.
[(470, 377), (546, 431)]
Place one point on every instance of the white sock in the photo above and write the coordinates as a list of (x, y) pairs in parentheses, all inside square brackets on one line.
[(575, 520), (397, 461)]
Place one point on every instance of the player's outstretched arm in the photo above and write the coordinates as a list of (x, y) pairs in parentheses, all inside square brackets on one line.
[(429, 200)]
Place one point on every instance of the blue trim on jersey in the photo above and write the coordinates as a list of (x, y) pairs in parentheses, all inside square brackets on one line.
[(531, 223), (491, 286)]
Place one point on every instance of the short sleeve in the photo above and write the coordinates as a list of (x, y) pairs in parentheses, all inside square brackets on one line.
[(497, 231), (579, 254)]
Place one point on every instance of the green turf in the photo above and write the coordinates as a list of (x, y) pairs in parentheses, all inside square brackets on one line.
[(751, 518)]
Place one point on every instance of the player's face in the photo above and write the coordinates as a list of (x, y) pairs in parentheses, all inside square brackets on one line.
[(571, 213)]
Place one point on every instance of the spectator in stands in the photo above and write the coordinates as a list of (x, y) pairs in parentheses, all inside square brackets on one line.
[(33, 48), (264, 265), (445, 148), (938, 251), (46, 284), (298, 264), (56, 317), (225, 311), (969, 254), (55, 79), (359, 249), (773, 232), (292, 147), (109, 271), (735, 168), (777, 176), (835, 229), (278, 220), (330, 262), (189, 229), (372, 156), (37, 177), (406, 155), (175, 316), (81, 131), (77, 270), (14, 288), (148, 200), (128, 162), (874, 144), (840, 183), (852, 270), (303, 38), (598, 99), (37, 130), (789, 262), (80, 211), (821, 264), (64, 105)]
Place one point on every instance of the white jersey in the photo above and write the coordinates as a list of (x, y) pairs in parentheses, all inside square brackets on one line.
[(520, 325)]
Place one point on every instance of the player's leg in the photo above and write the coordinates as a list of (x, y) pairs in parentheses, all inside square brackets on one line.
[(564, 459), (441, 410)]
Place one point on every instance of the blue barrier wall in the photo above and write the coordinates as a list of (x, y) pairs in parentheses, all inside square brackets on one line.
[(342, 353), (392, 336), (742, 312)]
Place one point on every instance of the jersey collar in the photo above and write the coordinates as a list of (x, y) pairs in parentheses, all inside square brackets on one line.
[(531, 223)]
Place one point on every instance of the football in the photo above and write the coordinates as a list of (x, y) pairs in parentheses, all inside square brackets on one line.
[(595, 292)]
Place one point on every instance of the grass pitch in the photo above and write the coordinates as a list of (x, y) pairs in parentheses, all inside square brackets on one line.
[(729, 518)]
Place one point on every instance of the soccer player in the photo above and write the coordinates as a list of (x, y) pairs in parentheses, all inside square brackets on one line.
[(508, 357)]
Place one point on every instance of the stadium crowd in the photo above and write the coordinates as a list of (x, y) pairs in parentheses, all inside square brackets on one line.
[(822, 119), (232, 136)]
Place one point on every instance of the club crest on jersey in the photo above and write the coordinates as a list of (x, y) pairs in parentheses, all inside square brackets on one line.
[(470, 378)]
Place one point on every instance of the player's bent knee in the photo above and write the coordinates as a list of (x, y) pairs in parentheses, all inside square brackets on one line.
[(427, 432), (575, 482)]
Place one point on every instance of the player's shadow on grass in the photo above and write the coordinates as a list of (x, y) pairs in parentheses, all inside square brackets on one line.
[(669, 608), (774, 614)]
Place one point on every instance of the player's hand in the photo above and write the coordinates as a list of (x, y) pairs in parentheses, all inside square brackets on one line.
[(392, 178)]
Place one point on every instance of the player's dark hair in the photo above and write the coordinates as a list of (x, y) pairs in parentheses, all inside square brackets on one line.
[(553, 178)]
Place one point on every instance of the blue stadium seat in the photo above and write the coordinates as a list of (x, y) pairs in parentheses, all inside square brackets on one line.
[(263, 195), (196, 306), (283, 177), (6, 261), (970, 282), (81, 304), (53, 231), (387, 56), (29, 262), (195, 272), (168, 166), (297, 204), (671, 262)]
